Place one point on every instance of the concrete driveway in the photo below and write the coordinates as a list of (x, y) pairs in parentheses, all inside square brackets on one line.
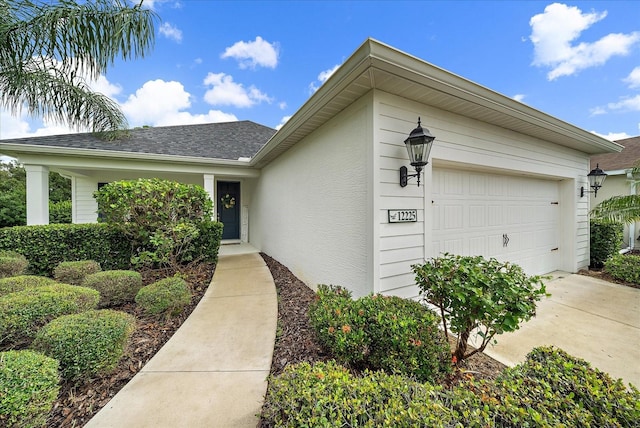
[(587, 317)]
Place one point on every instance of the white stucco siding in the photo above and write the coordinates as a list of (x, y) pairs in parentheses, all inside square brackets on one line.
[(311, 207), (468, 145)]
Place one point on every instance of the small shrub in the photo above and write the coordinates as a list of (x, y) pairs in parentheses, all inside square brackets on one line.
[(88, 343), (605, 241), (29, 385), (624, 268), (474, 293), (328, 395), (22, 282), (24, 312), (75, 272), (12, 264), (115, 286), (167, 296), (381, 333)]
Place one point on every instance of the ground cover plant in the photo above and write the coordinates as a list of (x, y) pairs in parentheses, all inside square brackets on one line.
[(625, 268), (475, 294)]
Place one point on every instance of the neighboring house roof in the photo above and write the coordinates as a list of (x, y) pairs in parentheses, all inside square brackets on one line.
[(229, 140), (626, 159)]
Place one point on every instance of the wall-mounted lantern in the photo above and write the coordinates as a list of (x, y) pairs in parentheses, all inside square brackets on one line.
[(596, 178), (418, 145)]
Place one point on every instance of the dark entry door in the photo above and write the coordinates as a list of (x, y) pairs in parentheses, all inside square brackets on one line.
[(229, 208)]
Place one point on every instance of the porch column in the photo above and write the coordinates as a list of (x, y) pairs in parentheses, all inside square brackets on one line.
[(209, 181), (37, 194)]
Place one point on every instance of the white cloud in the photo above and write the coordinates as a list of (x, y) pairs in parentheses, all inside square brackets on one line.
[(252, 54), (633, 79), (22, 126), (284, 120), (282, 105), (613, 136), (105, 87), (225, 91), (322, 77), (626, 104), (171, 32), (597, 111), (519, 97), (154, 101), (555, 30)]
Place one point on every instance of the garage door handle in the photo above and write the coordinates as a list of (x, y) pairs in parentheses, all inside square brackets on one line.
[(505, 240)]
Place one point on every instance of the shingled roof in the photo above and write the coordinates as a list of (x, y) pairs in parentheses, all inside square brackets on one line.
[(625, 159), (228, 140)]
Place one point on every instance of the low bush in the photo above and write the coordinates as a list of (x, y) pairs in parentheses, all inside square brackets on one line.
[(605, 241), (206, 245), (550, 389), (624, 268), (24, 312), (46, 246), (12, 263), (328, 395), (75, 272), (115, 286), (478, 294), (23, 282), (378, 332), (29, 385), (167, 296), (88, 343)]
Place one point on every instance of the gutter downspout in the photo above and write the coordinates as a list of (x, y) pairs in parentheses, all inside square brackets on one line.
[(632, 226)]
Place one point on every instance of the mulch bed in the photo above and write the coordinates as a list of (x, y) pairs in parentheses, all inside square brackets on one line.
[(79, 402)]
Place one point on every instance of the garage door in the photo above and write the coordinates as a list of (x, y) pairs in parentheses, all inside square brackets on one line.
[(511, 218)]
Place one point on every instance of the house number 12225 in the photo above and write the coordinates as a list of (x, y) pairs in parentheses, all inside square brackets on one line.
[(403, 216)]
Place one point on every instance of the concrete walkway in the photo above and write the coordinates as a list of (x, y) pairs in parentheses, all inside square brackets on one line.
[(213, 371), (589, 318)]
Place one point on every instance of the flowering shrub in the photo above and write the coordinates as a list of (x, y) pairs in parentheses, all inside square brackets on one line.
[(476, 294), (380, 333)]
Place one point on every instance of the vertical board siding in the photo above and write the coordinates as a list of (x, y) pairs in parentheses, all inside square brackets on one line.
[(85, 203)]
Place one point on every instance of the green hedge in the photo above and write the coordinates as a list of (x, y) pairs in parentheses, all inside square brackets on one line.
[(88, 343), (23, 282), (207, 244), (48, 245), (29, 385), (60, 212), (606, 241), (550, 389), (381, 333), (24, 312), (624, 267), (168, 296)]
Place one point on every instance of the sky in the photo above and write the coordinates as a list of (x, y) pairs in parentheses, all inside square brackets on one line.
[(220, 61)]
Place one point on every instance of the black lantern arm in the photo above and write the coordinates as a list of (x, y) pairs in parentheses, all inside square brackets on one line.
[(596, 178), (418, 146)]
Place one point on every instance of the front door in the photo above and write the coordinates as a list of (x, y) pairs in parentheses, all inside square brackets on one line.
[(228, 208)]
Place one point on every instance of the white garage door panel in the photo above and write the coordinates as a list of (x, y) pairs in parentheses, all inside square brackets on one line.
[(473, 212)]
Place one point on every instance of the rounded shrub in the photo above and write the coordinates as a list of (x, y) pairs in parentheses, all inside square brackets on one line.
[(12, 263), (75, 272), (624, 268), (23, 282), (88, 343), (29, 385), (378, 332), (166, 296), (24, 312), (328, 395), (115, 286)]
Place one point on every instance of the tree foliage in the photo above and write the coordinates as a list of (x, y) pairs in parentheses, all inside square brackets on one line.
[(623, 208), (48, 49), (474, 294), (13, 196)]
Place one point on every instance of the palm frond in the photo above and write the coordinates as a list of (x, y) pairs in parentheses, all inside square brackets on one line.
[(623, 209)]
